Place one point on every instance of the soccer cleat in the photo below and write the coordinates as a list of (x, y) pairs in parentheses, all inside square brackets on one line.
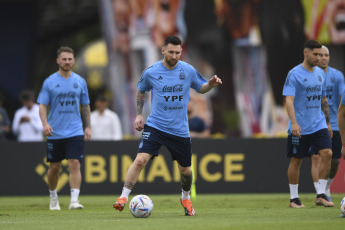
[(75, 205), (321, 200), (54, 204), (296, 203), (328, 195), (120, 203), (188, 207), (329, 198)]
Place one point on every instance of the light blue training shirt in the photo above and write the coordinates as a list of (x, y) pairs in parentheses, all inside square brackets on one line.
[(335, 88), (64, 97), (170, 95), (307, 89)]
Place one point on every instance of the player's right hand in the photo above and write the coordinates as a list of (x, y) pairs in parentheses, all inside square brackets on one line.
[(47, 130), (139, 123), (296, 130)]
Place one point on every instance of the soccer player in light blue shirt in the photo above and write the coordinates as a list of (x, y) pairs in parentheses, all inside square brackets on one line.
[(334, 90), (67, 126), (64, 96), (307, 107), (170, 81)]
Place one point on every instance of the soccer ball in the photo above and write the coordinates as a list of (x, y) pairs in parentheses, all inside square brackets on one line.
[(342, 206), (141, 206)]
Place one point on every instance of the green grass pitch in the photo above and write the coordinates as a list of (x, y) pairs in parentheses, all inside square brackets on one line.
[(216, 211)]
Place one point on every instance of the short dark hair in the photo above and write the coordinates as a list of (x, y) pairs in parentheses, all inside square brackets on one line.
[(27, 95), (312, 44), (102, 97), (64, 49), (172, 40)]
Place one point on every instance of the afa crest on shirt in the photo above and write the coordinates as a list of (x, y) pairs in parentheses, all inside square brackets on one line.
[(320, 78), (182, 75), (75, 85)]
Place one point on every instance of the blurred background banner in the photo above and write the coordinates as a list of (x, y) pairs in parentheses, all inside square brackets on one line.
[(223, 166)]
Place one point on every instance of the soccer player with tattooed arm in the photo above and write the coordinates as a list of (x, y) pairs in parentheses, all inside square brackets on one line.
[(170, 81), (67, 126)]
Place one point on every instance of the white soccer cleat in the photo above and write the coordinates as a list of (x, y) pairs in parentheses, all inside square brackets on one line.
[(54, 204), (75, 205)]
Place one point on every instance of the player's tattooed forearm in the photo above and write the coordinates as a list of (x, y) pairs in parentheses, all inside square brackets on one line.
[(325, 108), (85, 115), (129, 185), (186, 181), (140, 102)]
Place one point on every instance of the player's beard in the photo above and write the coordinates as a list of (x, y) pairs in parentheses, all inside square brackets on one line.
[(66, 68), (312, 63), (171, 62)]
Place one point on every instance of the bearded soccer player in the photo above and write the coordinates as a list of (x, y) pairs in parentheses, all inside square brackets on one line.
[(67, 126), (309, 124), (170, 81), (335, 87)]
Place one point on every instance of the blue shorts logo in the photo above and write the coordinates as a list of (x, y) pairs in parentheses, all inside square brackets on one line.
[(145, 135), (295, 143)]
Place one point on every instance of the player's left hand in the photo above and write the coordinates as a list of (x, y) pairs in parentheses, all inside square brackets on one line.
[(215, 81), (87, 134), (343, 152)]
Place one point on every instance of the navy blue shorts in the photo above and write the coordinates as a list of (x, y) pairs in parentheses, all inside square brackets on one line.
[(336, 146), (180, 148), (69, 148), (299, 147)]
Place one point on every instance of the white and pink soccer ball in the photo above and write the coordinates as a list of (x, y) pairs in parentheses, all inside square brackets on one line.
[(342, 206), (141, 206)]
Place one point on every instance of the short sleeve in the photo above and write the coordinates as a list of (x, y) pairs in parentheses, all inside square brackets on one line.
[(341, 83), (144, 83), (197, 80), (44, 96), (84, 99), (290, 85), (343, 98), (324, 85)]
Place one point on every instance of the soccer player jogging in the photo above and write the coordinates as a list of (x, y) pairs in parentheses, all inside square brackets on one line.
[(335, 87), (66, 127), (170, 81), (309, 124)]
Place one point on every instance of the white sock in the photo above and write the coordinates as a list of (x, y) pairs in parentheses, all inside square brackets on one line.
[(293, 191), (74, 194), (317, 185), (329, 182), (53, 193), (185, 195), (322, 186), (125, 192)]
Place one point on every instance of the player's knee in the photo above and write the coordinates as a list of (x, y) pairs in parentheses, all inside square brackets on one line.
[(186, 171), (140, 162), (327, 154), (55, 167), (295, 162), (73, 164)]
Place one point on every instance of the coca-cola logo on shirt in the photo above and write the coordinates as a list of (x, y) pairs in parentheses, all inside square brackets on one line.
[(175, 88), (316, 88)]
